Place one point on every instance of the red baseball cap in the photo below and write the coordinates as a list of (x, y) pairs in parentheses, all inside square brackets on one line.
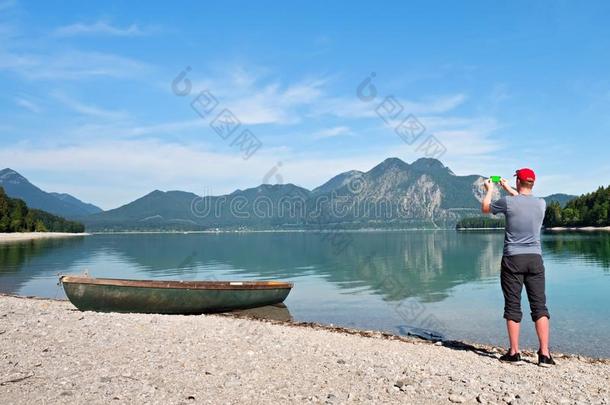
[(526, 174)]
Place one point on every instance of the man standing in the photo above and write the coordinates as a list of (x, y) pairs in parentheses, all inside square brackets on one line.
[(522, 261)]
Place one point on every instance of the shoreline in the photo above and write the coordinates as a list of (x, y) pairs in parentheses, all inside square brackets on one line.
[(321, 230), (552, 229), (479, 229), (579, 228), (49, 350), (27, 236)]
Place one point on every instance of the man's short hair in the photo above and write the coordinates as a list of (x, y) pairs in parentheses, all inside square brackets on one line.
[(526, 184)]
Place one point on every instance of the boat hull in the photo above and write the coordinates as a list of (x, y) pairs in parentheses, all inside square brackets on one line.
[(165, 299)]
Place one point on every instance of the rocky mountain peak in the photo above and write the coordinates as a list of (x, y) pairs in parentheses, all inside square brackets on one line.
[(9, 175), (430, 165), (393, 162)]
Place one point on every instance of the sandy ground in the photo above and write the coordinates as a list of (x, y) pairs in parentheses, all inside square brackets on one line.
[(52, 353), (21, 236)]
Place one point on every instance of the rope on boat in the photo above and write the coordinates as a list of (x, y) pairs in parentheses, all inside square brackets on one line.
[(58, 284)]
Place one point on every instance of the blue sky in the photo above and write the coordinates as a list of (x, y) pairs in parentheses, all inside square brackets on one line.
[(87, 105)]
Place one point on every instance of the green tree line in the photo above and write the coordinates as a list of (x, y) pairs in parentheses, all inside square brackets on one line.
[(590, 209), (480, 222), (15, 216)]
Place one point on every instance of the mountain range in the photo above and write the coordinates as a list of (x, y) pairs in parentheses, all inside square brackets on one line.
[(64, 205), (393, 194)]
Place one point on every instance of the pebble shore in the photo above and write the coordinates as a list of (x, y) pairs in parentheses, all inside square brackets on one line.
[(52, 353), (24, 236)]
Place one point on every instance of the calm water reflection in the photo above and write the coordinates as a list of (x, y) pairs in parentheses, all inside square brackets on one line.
[(396, 281)]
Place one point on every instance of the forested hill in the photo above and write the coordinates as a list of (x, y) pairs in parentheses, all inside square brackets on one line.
[(62, 204), (15, 216), (592, 209)]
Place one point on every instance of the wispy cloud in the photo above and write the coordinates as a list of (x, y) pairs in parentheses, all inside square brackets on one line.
[(88, 109), (274, 104), (255, 99), (28, 105), (332, 132), (98, 28), (464, 137), (344, 107), (166, 127), (17, 62), (436, 105), (72, 65)]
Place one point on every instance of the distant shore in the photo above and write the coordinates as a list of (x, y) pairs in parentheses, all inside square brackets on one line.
[(479, 229), (24, 236), (553, 229), (321, 230), (579, 228), (53, 353)]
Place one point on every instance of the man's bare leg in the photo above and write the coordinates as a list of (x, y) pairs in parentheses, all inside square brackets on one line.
[(542, 329), (513, 335)]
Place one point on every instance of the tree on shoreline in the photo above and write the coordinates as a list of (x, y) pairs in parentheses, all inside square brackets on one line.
[(592, 209), (15, 216), (481, 222)]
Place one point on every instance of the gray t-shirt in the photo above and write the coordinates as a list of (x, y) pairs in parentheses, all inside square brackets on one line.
[(524, 216)]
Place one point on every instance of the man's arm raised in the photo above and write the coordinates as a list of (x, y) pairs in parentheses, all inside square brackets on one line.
[(486, 203), (508, 188)]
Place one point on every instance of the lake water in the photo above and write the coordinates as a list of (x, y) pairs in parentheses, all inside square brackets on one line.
[(444, 282)]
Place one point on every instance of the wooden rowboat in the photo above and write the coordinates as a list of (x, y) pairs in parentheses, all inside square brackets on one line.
[(171, 297)]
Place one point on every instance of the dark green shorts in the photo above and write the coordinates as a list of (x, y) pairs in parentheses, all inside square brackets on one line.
[(516, 271)]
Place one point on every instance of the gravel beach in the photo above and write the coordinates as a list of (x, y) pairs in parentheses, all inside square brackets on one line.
[(52, 353)]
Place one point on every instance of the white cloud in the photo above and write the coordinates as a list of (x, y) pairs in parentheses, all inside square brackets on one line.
[(436, 105), (16, 62), (166, 127), (98, 28), (274, 104), (260, 108), (468, 143), (39, 58), (117, 129), (256, 100), (464, 136), (71, 65), (87, 109), (28, 105), (355, 108), (332, 132)]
